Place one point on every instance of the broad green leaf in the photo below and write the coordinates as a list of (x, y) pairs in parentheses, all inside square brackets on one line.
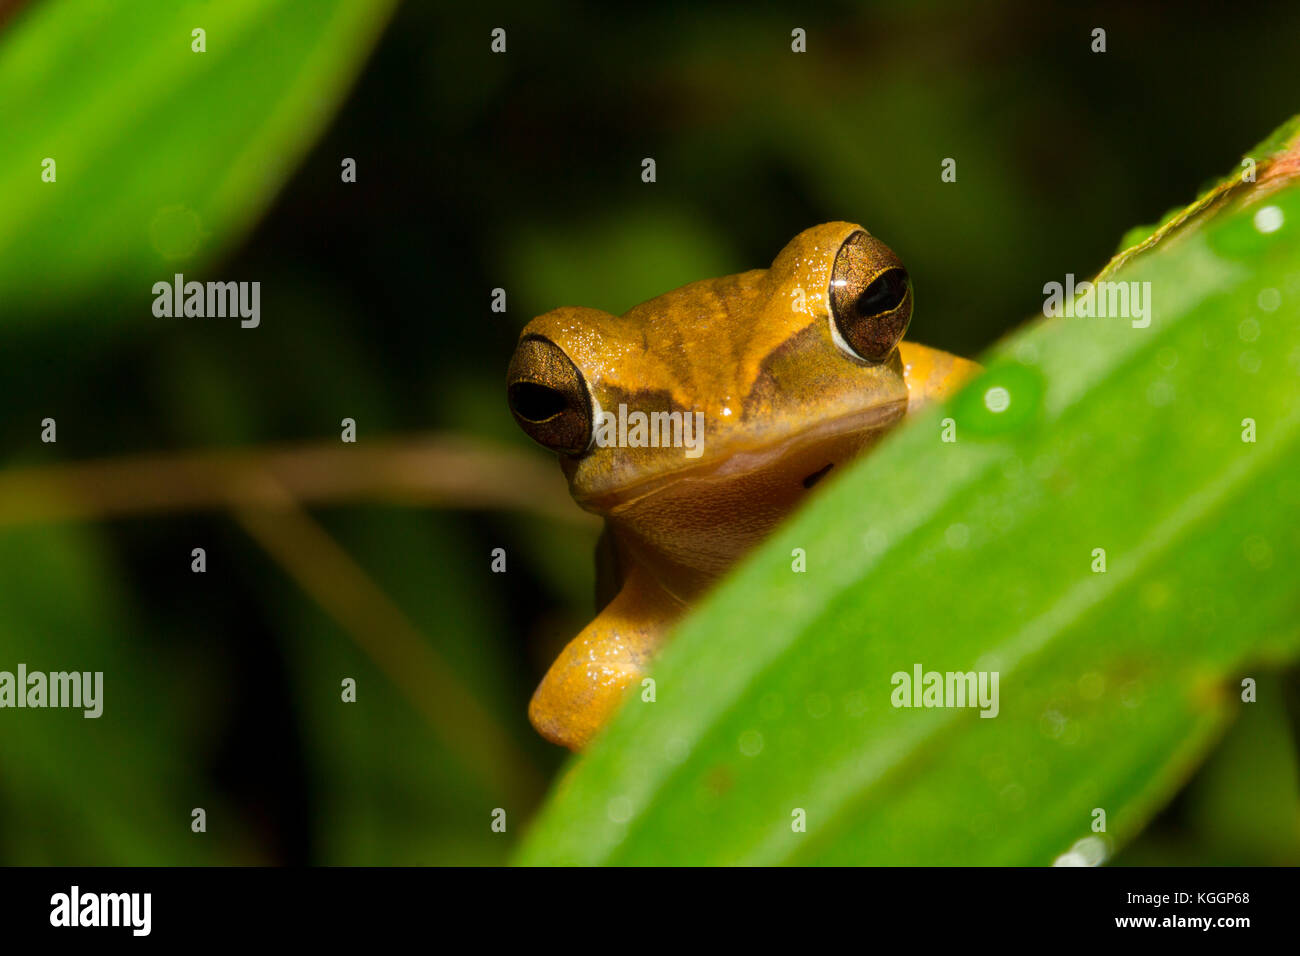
[(982, 555), (163, 156)]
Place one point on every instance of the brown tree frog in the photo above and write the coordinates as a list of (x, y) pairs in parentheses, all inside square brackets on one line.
[(791, 371)]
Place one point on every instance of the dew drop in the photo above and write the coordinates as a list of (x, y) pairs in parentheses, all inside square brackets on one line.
[(1013, 797), (1005, 398), (1240, 237), (957, 536), (1027, 353), (1258, 552), (1269, 299), (818, 704), (176, 232), (997, 399), (1269, 219), (1092, 685), (676, 749), (619, 809), (1089, 851), (1160, 394)]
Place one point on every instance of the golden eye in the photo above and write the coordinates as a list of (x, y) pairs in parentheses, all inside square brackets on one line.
[(870, 298), (548, 396)]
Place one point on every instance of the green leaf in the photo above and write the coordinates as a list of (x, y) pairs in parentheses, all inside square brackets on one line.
[(979, 555), (163, 156)]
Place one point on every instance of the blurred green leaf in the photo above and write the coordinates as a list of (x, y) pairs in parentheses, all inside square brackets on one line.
[(164, 156), (116, 789), (978, 555)]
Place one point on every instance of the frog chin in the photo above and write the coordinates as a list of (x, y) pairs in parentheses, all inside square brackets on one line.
[(689, 526), (780, 469)]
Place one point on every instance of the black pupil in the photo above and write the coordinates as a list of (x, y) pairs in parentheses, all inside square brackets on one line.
[(536, 403), (884, 294)]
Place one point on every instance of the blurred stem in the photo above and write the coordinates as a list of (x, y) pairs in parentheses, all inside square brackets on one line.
[(264, 489), (434, 470), (322, 568)]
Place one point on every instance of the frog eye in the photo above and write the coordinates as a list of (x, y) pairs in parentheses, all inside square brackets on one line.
[(548, 396), (870, 298)]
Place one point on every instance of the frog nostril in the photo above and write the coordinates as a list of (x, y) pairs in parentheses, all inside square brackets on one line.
[(817, 476)]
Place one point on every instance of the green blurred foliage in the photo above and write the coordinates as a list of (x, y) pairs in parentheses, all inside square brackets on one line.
[(477, 171)]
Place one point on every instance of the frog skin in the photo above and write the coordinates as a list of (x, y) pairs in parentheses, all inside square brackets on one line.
[(796, 369)]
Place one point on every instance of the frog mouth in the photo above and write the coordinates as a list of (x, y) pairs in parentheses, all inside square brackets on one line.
[(817, 476), (733, 464)]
